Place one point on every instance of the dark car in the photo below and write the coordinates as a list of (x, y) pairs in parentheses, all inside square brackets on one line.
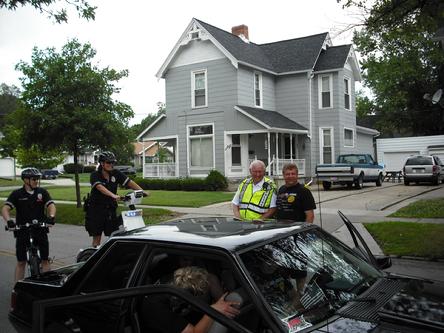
[(49, 174), (423, 168), (126, 169), (291, 277)]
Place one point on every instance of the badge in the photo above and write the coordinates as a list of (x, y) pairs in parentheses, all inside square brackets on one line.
[(291, 198), (39, 197), (113, 179)]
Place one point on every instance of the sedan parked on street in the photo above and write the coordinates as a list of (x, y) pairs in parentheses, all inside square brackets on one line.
[(289, 277), (423, 168)]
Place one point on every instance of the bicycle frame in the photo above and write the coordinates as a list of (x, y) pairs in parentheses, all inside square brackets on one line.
[(32, 250)]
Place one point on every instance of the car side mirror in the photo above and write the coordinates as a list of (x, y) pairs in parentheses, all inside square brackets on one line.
[(383, 262)]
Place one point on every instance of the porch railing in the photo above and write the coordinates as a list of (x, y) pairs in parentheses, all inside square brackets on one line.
[(275, 167), (159, 170)]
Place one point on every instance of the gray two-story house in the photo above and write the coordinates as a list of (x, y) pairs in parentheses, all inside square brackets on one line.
[(230, 101)]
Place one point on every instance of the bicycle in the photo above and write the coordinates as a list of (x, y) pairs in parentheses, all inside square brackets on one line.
[(33, 258), (130, 219)]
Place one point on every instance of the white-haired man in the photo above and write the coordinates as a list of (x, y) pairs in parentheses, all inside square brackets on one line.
[(255, 198)]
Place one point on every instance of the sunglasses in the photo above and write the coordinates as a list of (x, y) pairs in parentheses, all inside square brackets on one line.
[(110, 162), (35, 179)]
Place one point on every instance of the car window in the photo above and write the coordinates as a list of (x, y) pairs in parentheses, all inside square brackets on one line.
[(222, 280), (419, 160), (304, 278), (114, 269)]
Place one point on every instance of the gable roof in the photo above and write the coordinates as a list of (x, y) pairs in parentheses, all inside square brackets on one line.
[(279, 58), (271, 119)]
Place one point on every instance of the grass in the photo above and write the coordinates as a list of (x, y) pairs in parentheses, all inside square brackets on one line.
[(70, 214), (10, 182), (433, 208), (409, 238), (157, 198)]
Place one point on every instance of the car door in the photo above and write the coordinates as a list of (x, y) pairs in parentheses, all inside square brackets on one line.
[(224, 277), (361, 247), (114, 270)]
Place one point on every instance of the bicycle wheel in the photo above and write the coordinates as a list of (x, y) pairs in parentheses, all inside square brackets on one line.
[(34, 265)]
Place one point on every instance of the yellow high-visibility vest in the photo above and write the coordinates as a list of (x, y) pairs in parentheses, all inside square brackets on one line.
[(253, 205)]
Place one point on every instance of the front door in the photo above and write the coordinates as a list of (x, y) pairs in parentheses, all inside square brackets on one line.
[(236, 155)]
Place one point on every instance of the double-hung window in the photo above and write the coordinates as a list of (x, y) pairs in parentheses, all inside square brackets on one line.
[(347, 97), (348, 137), (199, 89), (257, 89), (201, 146), (325, 91)]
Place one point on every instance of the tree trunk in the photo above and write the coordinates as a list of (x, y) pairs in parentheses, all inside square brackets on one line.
[(76, 177)]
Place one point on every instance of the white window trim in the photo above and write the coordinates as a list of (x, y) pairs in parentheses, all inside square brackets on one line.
[(260, 89), (349, 93), (330, 82), (321, 144), (200, 136), (193, 84), (353, 136)]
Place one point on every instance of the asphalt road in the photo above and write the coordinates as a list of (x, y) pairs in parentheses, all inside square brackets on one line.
[(370, 204)]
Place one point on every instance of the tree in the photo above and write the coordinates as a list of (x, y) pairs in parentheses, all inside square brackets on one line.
[(68, 104), (44, 6), (147, 121), (9, 96), (402, 63)]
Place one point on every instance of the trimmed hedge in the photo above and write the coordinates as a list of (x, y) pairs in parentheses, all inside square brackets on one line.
[(215, 181)]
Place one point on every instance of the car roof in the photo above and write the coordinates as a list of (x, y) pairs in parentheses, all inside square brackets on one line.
[(217, 232)]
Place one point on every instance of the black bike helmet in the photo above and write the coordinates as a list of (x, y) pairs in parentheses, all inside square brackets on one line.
[(31, 173), (107, 156)]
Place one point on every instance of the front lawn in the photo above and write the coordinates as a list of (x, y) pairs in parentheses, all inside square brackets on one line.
[(157, 197), (433, 208), (11, 182), (409, 238), (69, 214)]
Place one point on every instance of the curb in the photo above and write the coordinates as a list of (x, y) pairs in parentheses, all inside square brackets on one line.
[(440, 260)]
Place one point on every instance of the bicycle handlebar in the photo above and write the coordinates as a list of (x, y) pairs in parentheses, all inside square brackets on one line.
[(32, 224)]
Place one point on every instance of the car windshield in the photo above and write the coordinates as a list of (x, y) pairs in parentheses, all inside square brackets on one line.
[(420, 160), (352, 159), (307, 276)]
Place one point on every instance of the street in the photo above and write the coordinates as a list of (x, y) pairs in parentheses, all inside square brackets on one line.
[(368, 204)]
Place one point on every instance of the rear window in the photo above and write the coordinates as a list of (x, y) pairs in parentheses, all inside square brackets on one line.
[(419, 161)]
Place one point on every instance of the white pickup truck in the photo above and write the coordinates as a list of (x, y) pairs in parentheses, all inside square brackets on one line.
[(350, 169)]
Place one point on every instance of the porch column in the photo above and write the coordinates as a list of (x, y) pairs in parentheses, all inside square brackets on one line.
[(269, 156), (291, 147), (143, 157), (277, 152)]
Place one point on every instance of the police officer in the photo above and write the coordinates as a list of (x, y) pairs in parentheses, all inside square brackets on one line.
[(255, 198), (101, 213), (30, 203), (294, 201)]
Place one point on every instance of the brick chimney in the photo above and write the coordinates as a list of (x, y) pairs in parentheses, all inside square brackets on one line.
[(240, 30)]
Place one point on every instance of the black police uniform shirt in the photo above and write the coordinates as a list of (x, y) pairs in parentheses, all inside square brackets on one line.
[(115, 178), (29, 206), (293, 201)]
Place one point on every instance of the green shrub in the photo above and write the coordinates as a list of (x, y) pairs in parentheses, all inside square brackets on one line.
[(173, 184), (216, 181), (89, 168), (71, 168)]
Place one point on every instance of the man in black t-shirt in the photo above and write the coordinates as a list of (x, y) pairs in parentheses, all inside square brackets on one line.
[(101, 214), (30, 203), (294, 201)]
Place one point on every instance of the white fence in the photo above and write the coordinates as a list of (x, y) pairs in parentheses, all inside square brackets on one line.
[(275, 167), (159, 170)]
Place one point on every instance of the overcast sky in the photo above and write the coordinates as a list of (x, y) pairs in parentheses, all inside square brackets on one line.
[(139, 34)]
